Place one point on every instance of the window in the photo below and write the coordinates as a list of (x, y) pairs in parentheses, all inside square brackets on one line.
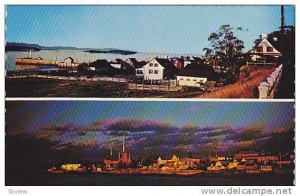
[(155, 71), (269, 49), (155, 65), (150, 71), (139, 71), (151, 64), (195, 80), (259, 49), (181, 78), (188, 79)]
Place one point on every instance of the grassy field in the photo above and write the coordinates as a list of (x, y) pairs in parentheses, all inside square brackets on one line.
[(43, 87), (40, 87), (243, 88)]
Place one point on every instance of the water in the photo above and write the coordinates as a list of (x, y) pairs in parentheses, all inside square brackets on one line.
[(149, 180), (78, 55)]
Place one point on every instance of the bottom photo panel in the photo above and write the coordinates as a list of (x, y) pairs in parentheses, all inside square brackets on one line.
[(149, 143)]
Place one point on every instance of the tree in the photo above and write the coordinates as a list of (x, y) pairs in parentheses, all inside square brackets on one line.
[(284, 41), (226, 50)]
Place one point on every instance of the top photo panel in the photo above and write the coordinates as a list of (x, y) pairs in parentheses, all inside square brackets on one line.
[(153, 51)]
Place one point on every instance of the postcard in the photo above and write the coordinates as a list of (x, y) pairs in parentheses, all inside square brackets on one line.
[(150, 51), (149, 143)]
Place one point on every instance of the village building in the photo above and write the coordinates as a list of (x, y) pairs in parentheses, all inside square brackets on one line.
[(70, 167), (264, 52), (252, 168), (82, 168), (97, 168), (157, 69), (178, 63), (130, 63), (117, 63), (212, 158), (216, 166), (68, 63), (241, 166), (124, 158), (266, 168), (267, 158), (195, 75), (171, 164), (161, 161), (247, 155), (100, 66), (233, 164)]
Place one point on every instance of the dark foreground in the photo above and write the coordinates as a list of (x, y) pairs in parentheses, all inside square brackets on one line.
[(41, 87), (48, 179)]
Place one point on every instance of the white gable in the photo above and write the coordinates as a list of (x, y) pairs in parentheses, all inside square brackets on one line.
[(153, 62), (153, 70), (265, 44)]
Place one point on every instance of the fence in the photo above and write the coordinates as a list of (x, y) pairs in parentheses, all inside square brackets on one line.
[(152, 87), (82, 78), (268, 88), (255, 66)]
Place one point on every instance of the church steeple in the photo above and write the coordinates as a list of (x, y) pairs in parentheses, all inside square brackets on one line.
[(123, 149)]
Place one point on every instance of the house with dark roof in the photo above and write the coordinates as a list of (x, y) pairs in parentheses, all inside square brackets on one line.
[(117, 63), (100, 65), (264, 51), (196, 75), (131, 62), (157, 69)]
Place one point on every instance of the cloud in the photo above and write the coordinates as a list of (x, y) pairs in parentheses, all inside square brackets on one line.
[(156, 137)]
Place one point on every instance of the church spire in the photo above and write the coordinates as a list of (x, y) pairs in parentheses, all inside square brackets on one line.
[(123, 149)]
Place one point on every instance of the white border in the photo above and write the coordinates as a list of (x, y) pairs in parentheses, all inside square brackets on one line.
[(142, 190), (144, 99)]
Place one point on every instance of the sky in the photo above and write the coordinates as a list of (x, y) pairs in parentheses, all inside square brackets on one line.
[(91, 128), (162, 29)]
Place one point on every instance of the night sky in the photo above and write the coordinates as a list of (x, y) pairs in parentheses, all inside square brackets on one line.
[(77, 130)]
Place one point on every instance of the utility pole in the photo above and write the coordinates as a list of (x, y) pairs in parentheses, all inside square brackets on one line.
[(280, 159), (282, 28)]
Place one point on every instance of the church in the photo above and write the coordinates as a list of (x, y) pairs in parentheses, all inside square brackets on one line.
[(124, 158)]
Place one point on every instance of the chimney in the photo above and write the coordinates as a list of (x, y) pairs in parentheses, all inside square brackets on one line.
[(264, 36)]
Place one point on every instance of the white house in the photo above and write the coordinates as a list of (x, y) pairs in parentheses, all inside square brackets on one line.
[(195, 75), (156, 69), (264, 49), (69, 62)]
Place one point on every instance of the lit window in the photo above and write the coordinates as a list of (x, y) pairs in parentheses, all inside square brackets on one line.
[(269, 49)]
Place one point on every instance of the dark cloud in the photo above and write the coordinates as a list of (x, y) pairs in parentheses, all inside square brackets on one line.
[(145, 138)]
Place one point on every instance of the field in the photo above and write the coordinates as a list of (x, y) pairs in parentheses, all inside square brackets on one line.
[(243, 88), (45, 87), (41, 87)]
